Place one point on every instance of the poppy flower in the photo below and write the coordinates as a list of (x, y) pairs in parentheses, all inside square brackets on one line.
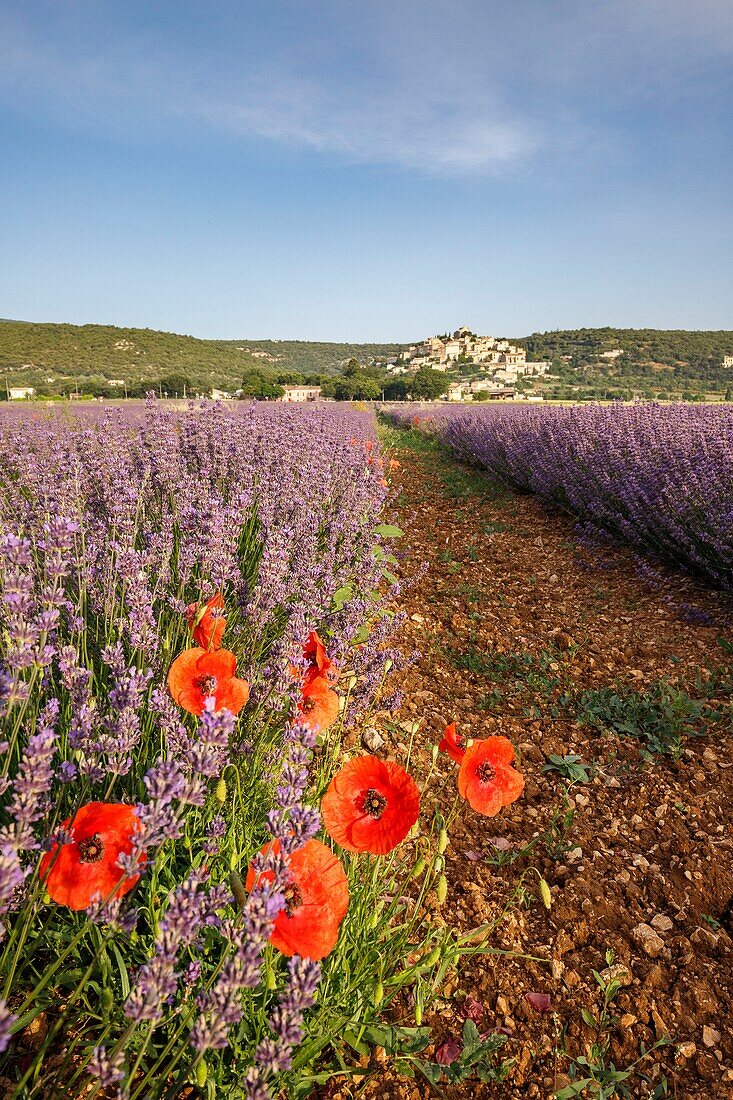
[(207, 623), (370, 805), (316, 900), (454, 743), (315, 653), (75, 873), (319, 705), (487, 779), (196, 676)]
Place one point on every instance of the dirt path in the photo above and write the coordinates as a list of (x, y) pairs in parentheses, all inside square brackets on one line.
[(514, 620)]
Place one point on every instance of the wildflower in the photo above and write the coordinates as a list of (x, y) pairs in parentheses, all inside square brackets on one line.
[(207, 623), (196, 676), (315, 654), (86, 867), (316, 900), (454, 744), (487, 779), (319, 705), (370, 805)]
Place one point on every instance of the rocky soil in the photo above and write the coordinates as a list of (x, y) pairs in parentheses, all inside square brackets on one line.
[(512, 619)]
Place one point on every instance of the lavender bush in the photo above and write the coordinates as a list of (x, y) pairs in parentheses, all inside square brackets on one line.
[(111, 524), (652, 475)]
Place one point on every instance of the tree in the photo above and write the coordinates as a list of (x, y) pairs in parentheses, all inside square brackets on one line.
[(427, 384), (256, 384), (175, 385)]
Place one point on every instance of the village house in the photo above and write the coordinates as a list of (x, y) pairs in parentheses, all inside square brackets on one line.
[(301, 393), (612, 354), (20, 393), (728, 360)]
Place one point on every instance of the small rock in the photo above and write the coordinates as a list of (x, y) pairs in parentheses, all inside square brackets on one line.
[(372, 740), (502, 1006), (557, 968), (710, 1036), (417, 618), (686, 1050), (627, 1020), (648, 940), (704, 937), (574, 855), (623, 878), (619, 972), (661, 923), (709, 758)]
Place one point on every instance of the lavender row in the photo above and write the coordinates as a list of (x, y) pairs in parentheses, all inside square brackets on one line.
[(111, 524), (658, 477)]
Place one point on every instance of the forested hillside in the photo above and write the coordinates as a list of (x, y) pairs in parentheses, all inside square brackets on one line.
[(56, 358)]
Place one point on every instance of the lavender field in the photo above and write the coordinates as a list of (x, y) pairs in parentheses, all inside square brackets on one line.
[(193, 609), (658, 477)]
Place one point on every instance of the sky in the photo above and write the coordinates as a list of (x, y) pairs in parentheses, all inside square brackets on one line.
[(367, 170)]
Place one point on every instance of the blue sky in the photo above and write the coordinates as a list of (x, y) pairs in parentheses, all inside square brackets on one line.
[(365, 169)]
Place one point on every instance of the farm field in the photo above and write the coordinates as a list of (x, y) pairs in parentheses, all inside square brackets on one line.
[(617, 698), (334, 767)]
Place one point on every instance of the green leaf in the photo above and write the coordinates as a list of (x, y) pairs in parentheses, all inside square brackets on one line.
[(388, 531), (573, 1090)]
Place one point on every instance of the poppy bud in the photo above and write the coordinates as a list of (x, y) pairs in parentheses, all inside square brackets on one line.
[(545, 894), (442, 841), (379, 994), (271, 983), (442, 891), (418, 1014), (106, 1001), (352, 682), (375, 919), (201, 1074), (434, 753), (240, 894), (221, 792), (438, 864), (433, 957), (387, 665), (419, 867)]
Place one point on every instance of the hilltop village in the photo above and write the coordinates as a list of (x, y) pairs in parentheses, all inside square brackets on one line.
[(478, 367)]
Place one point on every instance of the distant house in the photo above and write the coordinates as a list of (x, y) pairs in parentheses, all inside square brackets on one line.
[(301, 393), (614, 354), (20, 393), (728, 360), (458, 391), (115, 381), (220, 395)]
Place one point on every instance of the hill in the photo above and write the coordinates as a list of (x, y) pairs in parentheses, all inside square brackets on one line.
[(55, 358), (652, 362)]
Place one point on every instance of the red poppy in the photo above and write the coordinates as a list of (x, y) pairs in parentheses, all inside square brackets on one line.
[(319, 704), (75, 873), (454, 743), (316, 900), (196, 676), (487, 779), (315, 653), (206, 622), (370, 805)]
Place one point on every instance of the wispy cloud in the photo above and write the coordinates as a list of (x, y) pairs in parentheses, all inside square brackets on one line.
[(412, 115), (439, 86)]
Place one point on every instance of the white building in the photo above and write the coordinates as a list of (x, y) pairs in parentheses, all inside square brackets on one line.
[(301, 393), (612, 354), (20, 393), (728, 360)]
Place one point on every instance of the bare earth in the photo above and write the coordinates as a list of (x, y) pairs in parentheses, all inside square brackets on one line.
[(509, 615)]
